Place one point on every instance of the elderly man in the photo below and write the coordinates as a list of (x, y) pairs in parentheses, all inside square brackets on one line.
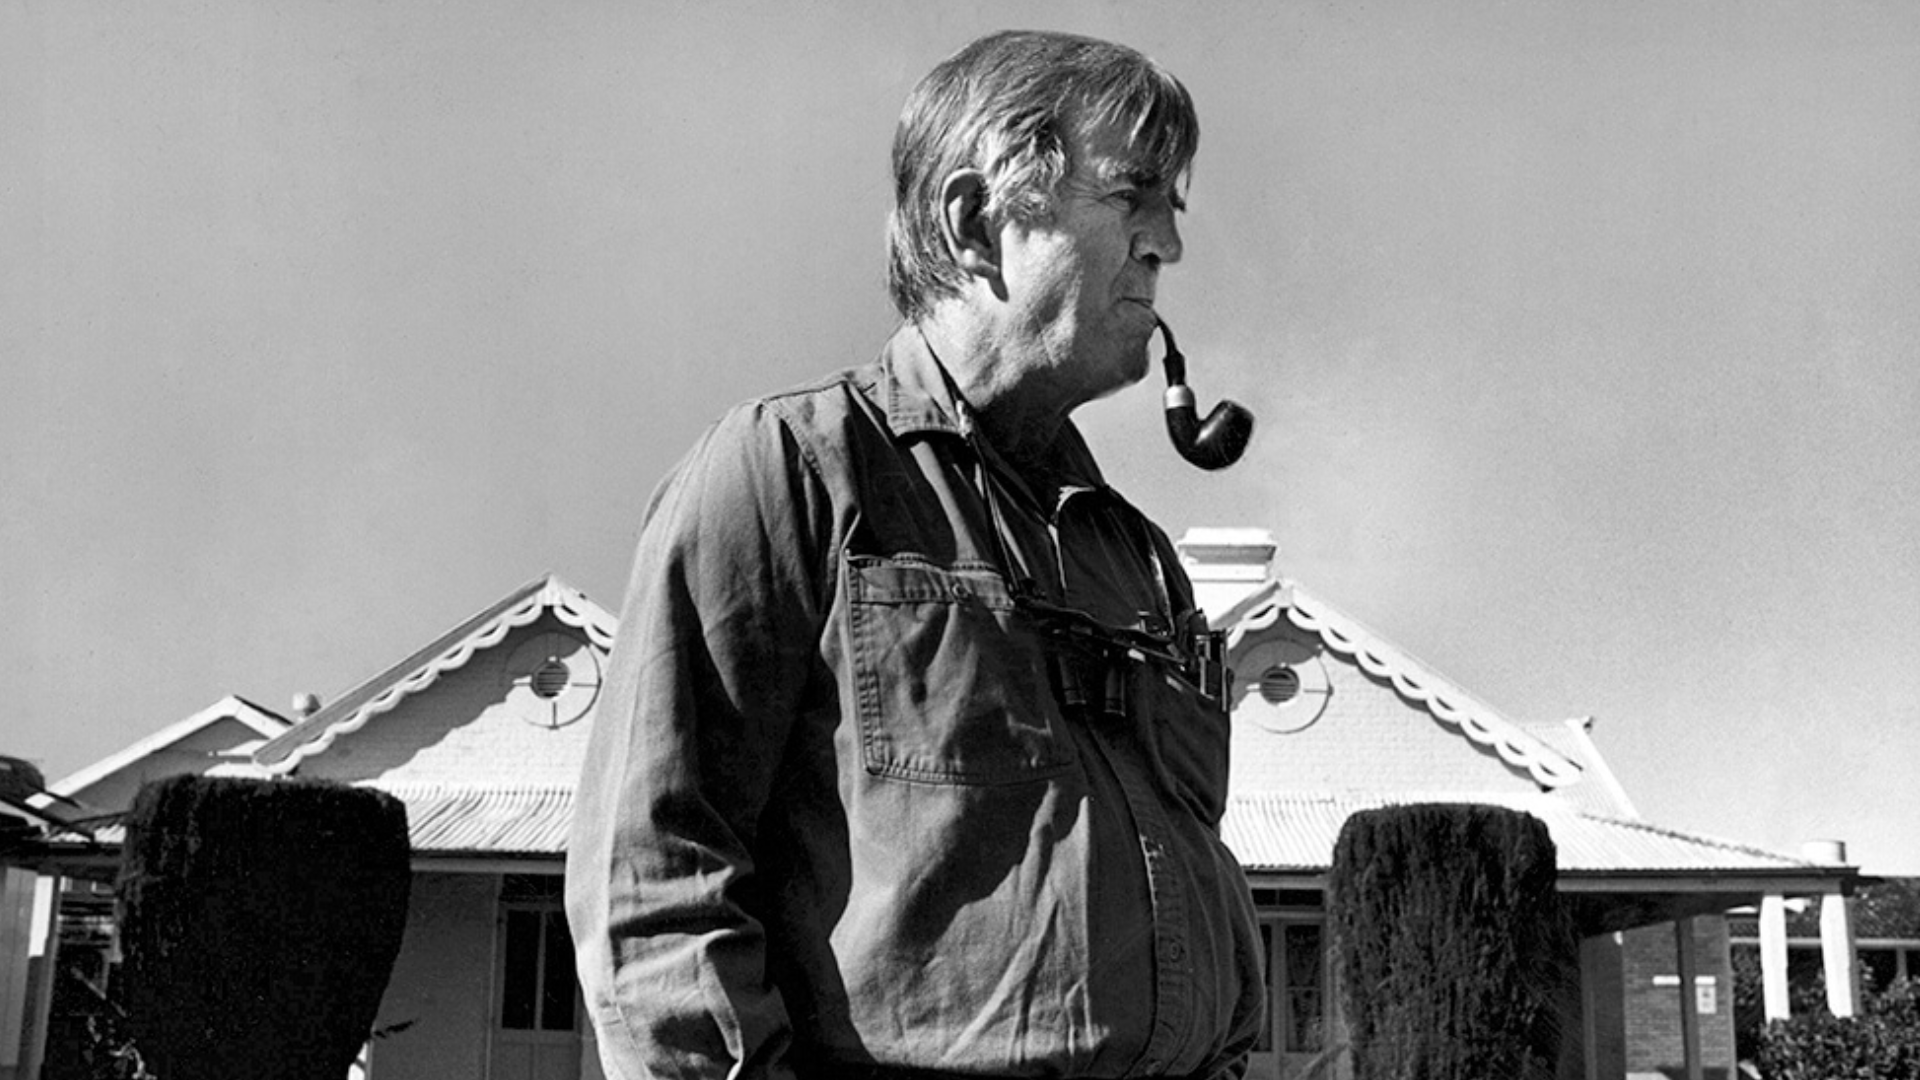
[(912, 756)]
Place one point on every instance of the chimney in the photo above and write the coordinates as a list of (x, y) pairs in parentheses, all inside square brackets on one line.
[(1830, 852), (305, 705), (1226, 565)]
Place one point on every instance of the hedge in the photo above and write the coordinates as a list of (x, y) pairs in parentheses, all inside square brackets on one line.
[(1455, 955), (259, 923)]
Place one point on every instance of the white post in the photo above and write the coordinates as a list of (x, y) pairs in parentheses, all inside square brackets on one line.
[(47, 891), (1773, 956), (16, 950), (1837, 954), (1836, 932)]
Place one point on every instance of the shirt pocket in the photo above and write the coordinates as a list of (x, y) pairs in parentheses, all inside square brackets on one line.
[(950, 683), (1190, 740)]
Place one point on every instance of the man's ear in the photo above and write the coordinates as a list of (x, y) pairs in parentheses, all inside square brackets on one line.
[(972, 240)]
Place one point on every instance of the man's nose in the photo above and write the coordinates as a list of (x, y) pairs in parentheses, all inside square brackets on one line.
[(1158, 240)]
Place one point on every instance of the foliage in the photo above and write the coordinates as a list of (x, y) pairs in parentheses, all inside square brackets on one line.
[(1806, 992), (1882, 1043), (88, 1037), (1888, 909), (1457, 958), (259, 922)]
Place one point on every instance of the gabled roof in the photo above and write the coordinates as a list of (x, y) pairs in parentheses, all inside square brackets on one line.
[(264, 723), (445, 653), (1447, 702)]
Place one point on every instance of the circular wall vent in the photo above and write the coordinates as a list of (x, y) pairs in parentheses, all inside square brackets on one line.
[(1279, 684), (1287, 687), (552, 679)]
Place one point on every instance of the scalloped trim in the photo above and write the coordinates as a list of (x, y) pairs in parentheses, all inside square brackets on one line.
[(568, 606), (1514, 746)]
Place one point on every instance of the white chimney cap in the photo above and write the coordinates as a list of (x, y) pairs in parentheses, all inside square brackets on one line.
[(1222, 554), (305, 705)]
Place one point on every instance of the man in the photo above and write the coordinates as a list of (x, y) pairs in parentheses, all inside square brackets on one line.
[(909, 762)]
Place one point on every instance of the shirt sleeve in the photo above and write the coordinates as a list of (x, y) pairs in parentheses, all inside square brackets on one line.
[(718, 642)]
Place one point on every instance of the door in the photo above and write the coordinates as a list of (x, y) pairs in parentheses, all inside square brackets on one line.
[(536, 1034)]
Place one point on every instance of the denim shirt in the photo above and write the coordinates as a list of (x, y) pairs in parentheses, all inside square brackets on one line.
[(848, 803)]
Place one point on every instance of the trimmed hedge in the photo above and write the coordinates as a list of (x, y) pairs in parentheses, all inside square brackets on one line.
[(1456, 956), (259, 922)]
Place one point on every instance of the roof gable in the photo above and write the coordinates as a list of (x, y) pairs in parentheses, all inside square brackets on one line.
[(441, 659), (1283, 610), (228, 728)]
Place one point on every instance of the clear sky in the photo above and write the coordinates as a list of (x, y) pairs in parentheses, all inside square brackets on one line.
[(1581, 337)]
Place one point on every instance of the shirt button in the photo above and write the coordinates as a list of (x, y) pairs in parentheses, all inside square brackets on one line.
[(1176, 952), (961, 591)]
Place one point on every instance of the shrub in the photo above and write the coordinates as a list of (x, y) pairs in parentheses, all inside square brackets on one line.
[(1882, 1043), (1456, 956), (259, 923)]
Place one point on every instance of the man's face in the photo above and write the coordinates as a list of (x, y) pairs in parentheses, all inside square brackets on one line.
[(1082, 283)]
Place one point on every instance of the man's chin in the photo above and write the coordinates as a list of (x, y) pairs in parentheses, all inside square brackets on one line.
[(1127, 371)]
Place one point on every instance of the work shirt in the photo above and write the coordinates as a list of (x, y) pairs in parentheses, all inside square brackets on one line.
[(869, 785)]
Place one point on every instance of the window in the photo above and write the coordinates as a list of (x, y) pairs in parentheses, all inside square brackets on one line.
[(1296, 987), (537, 979)]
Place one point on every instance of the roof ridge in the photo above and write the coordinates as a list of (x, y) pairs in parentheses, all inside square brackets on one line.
[(1708, 839)]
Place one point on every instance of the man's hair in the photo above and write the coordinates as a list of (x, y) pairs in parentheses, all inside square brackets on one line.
[(1008, 105)]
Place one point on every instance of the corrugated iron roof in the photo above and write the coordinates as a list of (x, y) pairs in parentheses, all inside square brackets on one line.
[(486, 821), (1288, 831), (1273, 832)]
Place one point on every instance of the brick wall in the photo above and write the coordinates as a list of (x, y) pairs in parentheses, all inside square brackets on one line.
[(1649, 970)]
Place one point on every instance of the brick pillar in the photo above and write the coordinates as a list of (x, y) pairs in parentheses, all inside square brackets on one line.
[(1689, 998)]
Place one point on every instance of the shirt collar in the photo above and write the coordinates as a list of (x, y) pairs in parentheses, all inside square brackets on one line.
[(919, 398)]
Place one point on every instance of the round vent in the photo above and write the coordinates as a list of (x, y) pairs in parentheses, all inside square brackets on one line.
[(1279, 684), (1286, 686), (550, 679)]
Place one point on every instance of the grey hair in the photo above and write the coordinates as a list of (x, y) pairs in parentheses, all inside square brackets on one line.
[(1008, 105)]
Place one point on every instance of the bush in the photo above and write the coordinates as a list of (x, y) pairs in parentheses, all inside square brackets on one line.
[(1457, 959), (259, 922), (1882, 1043)]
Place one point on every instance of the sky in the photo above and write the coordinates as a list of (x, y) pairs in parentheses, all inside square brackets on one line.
[(1580, 337)]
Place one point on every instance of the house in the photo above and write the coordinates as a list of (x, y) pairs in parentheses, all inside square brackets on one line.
[(481, 732)]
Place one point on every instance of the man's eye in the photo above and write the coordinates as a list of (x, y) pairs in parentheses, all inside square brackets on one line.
[(1129, 198)]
